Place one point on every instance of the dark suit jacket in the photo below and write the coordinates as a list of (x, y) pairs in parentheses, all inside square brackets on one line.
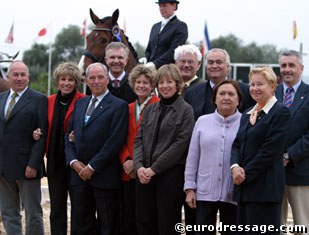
[(99, 141), (161, 45), (200, 98), (124, 91), (259, 150), (297, 172), (18, 149)]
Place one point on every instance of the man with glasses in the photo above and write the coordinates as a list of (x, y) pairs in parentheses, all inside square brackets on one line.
[(188, 60)]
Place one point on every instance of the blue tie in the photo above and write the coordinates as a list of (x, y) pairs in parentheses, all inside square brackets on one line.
[(288, 97)]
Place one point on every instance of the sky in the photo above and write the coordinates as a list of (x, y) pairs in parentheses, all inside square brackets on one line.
[(259, 21)]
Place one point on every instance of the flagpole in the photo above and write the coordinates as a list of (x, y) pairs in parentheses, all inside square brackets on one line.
[(207, 47), (49, 63)]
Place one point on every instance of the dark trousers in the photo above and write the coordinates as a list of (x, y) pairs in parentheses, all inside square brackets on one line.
[(206, 214), (128, 208), (58, 186), (190, 217), (87, 202), (259, 214), (158, 203)]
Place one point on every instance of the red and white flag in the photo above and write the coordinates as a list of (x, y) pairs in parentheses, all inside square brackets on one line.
[(83, 29), (10, 38), (42, 32)]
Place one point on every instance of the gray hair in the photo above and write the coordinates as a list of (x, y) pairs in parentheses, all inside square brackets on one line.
[(186, 49), (227, 56), (116, 46), (96, 64), (292, 53)]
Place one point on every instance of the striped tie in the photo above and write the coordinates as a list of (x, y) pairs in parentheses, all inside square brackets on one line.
[(288, 97), (11, 105)]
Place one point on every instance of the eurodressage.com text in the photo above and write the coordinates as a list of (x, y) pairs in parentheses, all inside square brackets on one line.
[(263, 229)]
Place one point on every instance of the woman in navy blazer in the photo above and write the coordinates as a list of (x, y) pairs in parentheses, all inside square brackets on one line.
[(256, 162)]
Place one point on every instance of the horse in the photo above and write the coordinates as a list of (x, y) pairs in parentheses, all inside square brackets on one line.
[(4, 84), (106, 30)]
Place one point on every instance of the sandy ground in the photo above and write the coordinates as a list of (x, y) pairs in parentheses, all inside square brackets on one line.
[(46, 209)]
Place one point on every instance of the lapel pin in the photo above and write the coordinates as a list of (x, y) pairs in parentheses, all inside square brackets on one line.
[(302, 97)]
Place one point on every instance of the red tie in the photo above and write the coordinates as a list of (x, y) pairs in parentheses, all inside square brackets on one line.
[(116, 83)]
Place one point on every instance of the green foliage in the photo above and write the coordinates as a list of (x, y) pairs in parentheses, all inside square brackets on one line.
[(37, 60), (41, 84), (139, 49), (69, 46), (251, 53)]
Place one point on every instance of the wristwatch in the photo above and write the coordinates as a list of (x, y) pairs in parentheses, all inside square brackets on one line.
[(286, 156)]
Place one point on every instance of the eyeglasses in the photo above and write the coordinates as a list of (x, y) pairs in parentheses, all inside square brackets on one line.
[(189, 62)]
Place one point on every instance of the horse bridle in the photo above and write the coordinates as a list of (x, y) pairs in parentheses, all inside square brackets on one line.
[(92, 56)]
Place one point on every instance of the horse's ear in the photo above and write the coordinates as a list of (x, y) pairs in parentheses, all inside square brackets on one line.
[(115, 17), (95, 19)]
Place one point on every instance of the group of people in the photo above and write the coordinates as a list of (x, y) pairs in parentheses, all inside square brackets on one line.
[(147, 143)]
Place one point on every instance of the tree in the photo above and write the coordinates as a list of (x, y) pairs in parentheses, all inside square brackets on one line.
[(68, 45), (251, 53), (37, 60), (139, 49)]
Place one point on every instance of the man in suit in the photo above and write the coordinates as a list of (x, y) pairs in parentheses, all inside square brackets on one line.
[(100, 124), (165, 36), (188, 60), (116, 58), (218, 68), (296, 157), (21, 157)]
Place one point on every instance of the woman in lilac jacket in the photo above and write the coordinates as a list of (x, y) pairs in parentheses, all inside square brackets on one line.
[(208, 182)]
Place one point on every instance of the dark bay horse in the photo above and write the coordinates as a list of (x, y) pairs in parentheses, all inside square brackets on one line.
[(106, 30)]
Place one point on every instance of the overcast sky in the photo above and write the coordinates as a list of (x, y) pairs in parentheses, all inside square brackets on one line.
[(260, 21)]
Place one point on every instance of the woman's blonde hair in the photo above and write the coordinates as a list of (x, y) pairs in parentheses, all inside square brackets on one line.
[(68, 69), (148, 72)]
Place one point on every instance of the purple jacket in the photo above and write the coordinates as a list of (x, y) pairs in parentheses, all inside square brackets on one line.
[(208, 162)]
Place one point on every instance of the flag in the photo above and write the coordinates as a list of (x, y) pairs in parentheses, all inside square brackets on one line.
[(294, 30), (83, 29), (10, 38), (42, 32), (206, 41)]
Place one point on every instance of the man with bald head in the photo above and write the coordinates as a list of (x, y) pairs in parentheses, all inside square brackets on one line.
[(21, 158), (100, 123)]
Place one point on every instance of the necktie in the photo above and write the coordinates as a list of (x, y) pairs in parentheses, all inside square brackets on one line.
[(288, 97), (11, 105), (116, 83), (163, 23), (92, 106)]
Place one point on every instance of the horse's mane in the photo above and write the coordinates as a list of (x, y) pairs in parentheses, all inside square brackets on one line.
[(132, 49)]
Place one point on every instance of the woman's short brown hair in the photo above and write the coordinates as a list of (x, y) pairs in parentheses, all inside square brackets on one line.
[(234, 84), (170, 71)]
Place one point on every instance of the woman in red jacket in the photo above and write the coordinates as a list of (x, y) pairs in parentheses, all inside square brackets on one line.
[(142, 81), (60, 107)]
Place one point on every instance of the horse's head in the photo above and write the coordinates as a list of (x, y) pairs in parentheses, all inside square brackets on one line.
[(105, 31)]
